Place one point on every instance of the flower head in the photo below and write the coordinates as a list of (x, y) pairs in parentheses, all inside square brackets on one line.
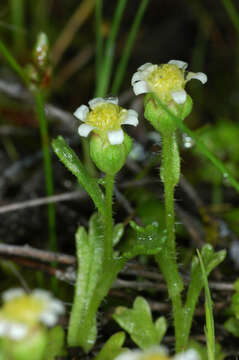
[(157, 353), (21, 312), (166, 80), (105, 117)]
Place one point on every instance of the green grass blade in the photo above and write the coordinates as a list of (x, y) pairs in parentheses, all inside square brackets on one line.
[(17, 19), (47, 166), (201, 146), (12, 62), (99, 37), (209, 331), (233, 13), (120, 71), (106, 69)]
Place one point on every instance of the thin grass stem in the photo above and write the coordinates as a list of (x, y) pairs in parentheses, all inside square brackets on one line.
[(232, 12), (17, 19), (99, 37), (40, 112), (120, 71), (106, 69), (12, 62), (209, 330)]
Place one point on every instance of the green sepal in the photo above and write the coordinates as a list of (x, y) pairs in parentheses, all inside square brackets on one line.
[(73, 163), (148, 240), (139, 324), (118, 232), (112, 347), (156, 113), (109, 158), (55, 345)]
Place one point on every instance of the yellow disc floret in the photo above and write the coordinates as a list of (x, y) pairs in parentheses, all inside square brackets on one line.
[(165, 79), (24, 309), (106, 117)]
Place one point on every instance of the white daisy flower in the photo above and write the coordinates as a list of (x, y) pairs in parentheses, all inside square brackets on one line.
[(157, 353), (21, 312), (105, 117), (166, 80)]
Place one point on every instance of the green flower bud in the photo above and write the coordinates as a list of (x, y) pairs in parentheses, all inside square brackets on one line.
[(41, 52), (109, 158)]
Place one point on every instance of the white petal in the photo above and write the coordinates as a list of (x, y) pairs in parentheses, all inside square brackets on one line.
[(96, 102), (116, 137), (82, 112), (3, 327), (85, 129), (17, 331), (179, 63), (132, 355), (48, 318), (42, 294), (179, 96), (144, 66), (136, 77), (199, 76), (187, 355), (140, 87), (112, 100), (131, 118), (56, 306), (12, 293)]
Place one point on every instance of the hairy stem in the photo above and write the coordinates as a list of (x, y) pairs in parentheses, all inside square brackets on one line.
[(108, 218)]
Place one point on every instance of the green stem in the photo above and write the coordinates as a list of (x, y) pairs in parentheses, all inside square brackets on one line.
[(39, 98), (12, 62), (168, 266), (99, 37), (169, 172), (120, 71), (233, 13), (17, 18), (104, 79), (108, 220)]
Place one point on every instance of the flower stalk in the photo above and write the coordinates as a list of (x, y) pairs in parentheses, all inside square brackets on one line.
[(165, 85), (108, 220)]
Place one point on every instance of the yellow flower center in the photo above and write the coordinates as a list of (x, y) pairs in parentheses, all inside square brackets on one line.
[(165, 79), (106, 117), (25, 309)]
